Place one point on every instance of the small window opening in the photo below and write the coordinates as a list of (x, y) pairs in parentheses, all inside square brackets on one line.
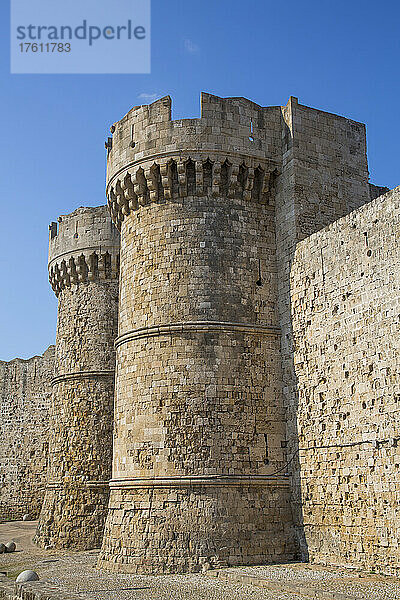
[(266, 459), (132, 143), (259, 281)]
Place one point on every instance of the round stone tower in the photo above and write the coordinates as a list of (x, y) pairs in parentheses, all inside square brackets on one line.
[(83, 272), (199, 449)]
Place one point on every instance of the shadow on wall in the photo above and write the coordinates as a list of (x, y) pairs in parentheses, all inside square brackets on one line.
[(291, 396), (285, 227), (324, 177)]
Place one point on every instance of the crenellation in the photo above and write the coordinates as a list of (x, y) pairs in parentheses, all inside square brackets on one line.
[(198, 388), (82, 241), (156, 135), (87, 266)]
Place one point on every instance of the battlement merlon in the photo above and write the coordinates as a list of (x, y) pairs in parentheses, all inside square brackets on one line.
[(83, 246)]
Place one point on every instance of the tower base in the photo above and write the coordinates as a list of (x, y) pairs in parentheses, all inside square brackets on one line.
[(73, 517), (192, 526)]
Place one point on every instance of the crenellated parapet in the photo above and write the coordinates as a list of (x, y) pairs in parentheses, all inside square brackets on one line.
[(233, 150), (83, 247), (199, 424), (83, 268), (235, 126), (204, 467)]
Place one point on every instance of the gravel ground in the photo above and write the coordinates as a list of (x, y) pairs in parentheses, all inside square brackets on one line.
[(76, 573), (104, 586), (360, 585)]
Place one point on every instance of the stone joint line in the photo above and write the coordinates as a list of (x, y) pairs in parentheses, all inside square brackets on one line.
[(55, 485), (199, 480)]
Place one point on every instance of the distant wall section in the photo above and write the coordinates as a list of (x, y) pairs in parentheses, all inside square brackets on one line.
[(25, 396)]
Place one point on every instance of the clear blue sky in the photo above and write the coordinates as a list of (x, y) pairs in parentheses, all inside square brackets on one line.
[(341, 57)]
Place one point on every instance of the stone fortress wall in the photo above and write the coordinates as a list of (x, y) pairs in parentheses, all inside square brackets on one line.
[(83, 271), (345, 293), (324, 177), (255, 399), (25, 397)]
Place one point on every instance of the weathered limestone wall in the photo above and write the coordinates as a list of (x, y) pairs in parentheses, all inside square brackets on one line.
[(25, 394), (324, 176), (345, 294), (83, 271), (199, 421)]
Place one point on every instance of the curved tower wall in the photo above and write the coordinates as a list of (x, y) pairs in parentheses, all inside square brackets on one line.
[(83, 271), (199, 450)]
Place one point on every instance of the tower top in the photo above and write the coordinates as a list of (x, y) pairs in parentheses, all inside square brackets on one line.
[(83, 246), (236, 147), (227, 125)]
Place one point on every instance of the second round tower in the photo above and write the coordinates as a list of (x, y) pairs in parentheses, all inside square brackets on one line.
[(83, 272)]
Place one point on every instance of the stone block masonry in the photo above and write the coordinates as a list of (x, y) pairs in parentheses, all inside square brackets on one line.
[(210, 212), (25, 398), (345, 293), (83, 271)]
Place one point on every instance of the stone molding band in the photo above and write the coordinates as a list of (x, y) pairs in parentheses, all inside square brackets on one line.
[(199, 480), (196, 327), (85, 250), (81, 375), (58, 485)]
